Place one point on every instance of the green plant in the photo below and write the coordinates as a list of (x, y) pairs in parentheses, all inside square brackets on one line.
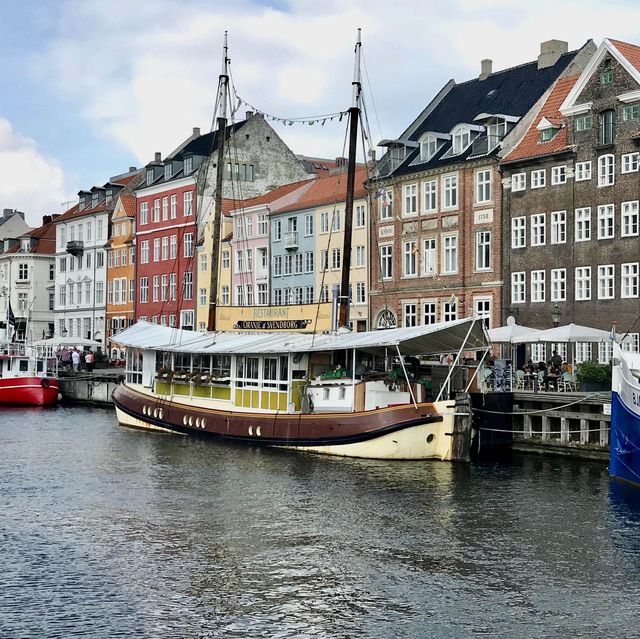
[(593, 373)]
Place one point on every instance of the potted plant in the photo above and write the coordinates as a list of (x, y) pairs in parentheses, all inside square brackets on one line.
[(593, 376)]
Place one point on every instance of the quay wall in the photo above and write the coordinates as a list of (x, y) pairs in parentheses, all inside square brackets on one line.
[(93, 389)]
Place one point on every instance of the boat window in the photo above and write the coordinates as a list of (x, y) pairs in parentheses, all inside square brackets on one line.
[(182, 361), (221, 365), (39, 366), (252, 370), (24, 365), (270, 372), (284, 371)]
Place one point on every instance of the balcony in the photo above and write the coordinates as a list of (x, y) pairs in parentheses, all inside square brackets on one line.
[(291, 240), (75, 247)]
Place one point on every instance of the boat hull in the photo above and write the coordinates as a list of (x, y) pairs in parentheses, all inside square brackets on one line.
[(624, 462), (397, 432), (28, 391)]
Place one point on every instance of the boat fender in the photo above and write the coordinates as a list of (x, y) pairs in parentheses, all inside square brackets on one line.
[(45, 383), (311, 406)]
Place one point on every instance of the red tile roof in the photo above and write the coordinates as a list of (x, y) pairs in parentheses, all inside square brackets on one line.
[(530, 145), (75, 212), (45, 243), (630, 51), (274, 194), (328, 190), (129, 205)]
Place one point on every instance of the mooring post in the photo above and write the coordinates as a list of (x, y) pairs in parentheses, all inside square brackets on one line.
[(584, 431), (564, 429), (545, 428), (526, 426), (604, 433)]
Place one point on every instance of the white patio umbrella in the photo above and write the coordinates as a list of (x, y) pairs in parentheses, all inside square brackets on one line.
[(66, 341), (507, 334), (570, 333)]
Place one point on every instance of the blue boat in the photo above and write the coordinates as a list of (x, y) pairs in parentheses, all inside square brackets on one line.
[(624, 460)]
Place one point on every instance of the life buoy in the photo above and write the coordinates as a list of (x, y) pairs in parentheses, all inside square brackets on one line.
[(45, 383)]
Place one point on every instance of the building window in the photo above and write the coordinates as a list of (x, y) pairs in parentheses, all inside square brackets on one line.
[(144, 290), (429, 256), (155, 292), (336, 258), (410, 261), (583, 171), (23, 271), (558, 174), (583, 225), (518, 182), (360, 216), (518, 232), (584, 123), (262, 227), (629, 281), (165, 248), (483, 186), (360, 293), (174, 207), (606, 170), (558, 227), (546, 135), (606, 222), (538, 231), (187, 320), (226, 259), (277, 265), (156, 210), (308, 226), (461, 139), (263, 295), (629, 218), (429, 313), (225, 295), (606, 278), (538, 178), (187, 281), (173, 288), (386, 204), (144, 252), (630, 163), (483, 310), (188, 203), (144, 213), (606, 77), (607, 126), (410, 199), (360, 256), (335, 220), (483, 250), (450, 310), (537, 286), (173, 247), (324, 260), (428, 147), (203, 297), (188, 245), (165, 209), (583, 283), (410, 316), (297, 267), (386, 261), (203, 262), (450, 190), (277, 230), (164, 288), (450, 254), (630, 112), (518, 287), (558, 284), (430, 200), (156, 249)]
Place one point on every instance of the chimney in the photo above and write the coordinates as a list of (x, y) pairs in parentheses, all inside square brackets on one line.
[(46, 219), (132, 169), (550, 52), (486, 68), (54, 216), (248, 114), (157, 157), (196, 131)]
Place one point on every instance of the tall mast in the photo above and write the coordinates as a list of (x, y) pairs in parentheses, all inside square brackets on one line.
[(223, 84), (354, 116)]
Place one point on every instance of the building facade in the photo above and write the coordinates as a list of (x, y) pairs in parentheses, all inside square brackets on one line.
[(121, 280), (571, 221), (437, 225), (27, 279)]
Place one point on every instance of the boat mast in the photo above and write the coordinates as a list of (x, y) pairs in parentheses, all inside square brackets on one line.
[(223, 84), (354, 116)]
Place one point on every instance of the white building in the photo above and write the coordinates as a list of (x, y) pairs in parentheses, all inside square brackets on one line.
[(81, 262), (27, 272)]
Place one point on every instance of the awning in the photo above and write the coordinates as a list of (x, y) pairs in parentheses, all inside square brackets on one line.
[(447, 337), (67, 341), (567, 334)]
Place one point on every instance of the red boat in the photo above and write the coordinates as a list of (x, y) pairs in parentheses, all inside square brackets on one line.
[(27, 376)]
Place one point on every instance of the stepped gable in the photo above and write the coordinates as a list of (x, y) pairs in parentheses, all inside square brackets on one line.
[(511, 92), (530, 145), (327, 190)]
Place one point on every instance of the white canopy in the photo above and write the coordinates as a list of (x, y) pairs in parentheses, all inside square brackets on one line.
[(507, 334), (566, 334), (432, 339), (67, 341)]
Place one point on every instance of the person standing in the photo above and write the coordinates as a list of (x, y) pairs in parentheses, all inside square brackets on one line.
[(75, 359), (65, 358), (88, 362)]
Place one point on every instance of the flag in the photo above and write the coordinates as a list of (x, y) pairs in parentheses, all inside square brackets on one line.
[(11, 321)]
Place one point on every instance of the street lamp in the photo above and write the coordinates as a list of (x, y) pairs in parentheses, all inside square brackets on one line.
[(64, 332), (555, 315)]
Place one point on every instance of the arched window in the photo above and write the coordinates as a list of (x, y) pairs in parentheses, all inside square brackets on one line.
[(606, 169), (386, 319), (428, 147), (461, 138), (607, 126)]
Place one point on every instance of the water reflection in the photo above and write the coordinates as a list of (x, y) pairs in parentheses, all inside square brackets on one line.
[(113, 532)]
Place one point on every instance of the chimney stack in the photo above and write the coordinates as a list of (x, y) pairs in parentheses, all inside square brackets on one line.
[(486, 68), (158, 157), (196, 131), (248, 114), (46, 219), (132, 169), (550, 52)]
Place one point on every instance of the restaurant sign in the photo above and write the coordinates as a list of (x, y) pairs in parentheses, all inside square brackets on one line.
[(296, 317)]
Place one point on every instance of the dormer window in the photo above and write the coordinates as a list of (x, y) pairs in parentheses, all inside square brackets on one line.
[(168, 171), (548, 129), (109, 195), (461, 139), (428, 147), (188, 165), (94, 199), (495, 133), (149, 176), (25, 246), (547, 134), (606, 77)]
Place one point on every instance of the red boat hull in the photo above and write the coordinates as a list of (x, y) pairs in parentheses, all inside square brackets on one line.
[(29, 391)]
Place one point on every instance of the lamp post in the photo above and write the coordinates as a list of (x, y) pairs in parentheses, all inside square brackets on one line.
[(555, 315)]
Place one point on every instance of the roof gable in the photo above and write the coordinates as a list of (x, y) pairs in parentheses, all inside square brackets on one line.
[(571, 104)]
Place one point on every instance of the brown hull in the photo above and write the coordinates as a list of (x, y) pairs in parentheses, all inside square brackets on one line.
[(272, 429)]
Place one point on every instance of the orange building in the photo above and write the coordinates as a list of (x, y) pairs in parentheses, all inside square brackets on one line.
[(121, 276)]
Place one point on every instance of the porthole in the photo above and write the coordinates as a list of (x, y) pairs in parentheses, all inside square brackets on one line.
[(161, 413), (144, 410), (204, 422), (197, 422), (250, 430), (258, 431), (430, 438), (190, 421), (155, 413), (184, 420)]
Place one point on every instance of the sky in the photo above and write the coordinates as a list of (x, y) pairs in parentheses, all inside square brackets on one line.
[(89, 88)]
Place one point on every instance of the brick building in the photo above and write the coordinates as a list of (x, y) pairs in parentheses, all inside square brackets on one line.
[(571, 188), (438, 192)]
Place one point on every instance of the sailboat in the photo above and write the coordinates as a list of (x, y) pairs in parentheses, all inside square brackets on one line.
[(356, 394)]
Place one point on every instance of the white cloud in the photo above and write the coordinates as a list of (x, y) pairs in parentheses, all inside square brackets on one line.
[(31, 182), (143, 73)]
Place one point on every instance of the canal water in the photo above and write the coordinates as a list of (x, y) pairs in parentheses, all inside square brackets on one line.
[(110, 532)]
